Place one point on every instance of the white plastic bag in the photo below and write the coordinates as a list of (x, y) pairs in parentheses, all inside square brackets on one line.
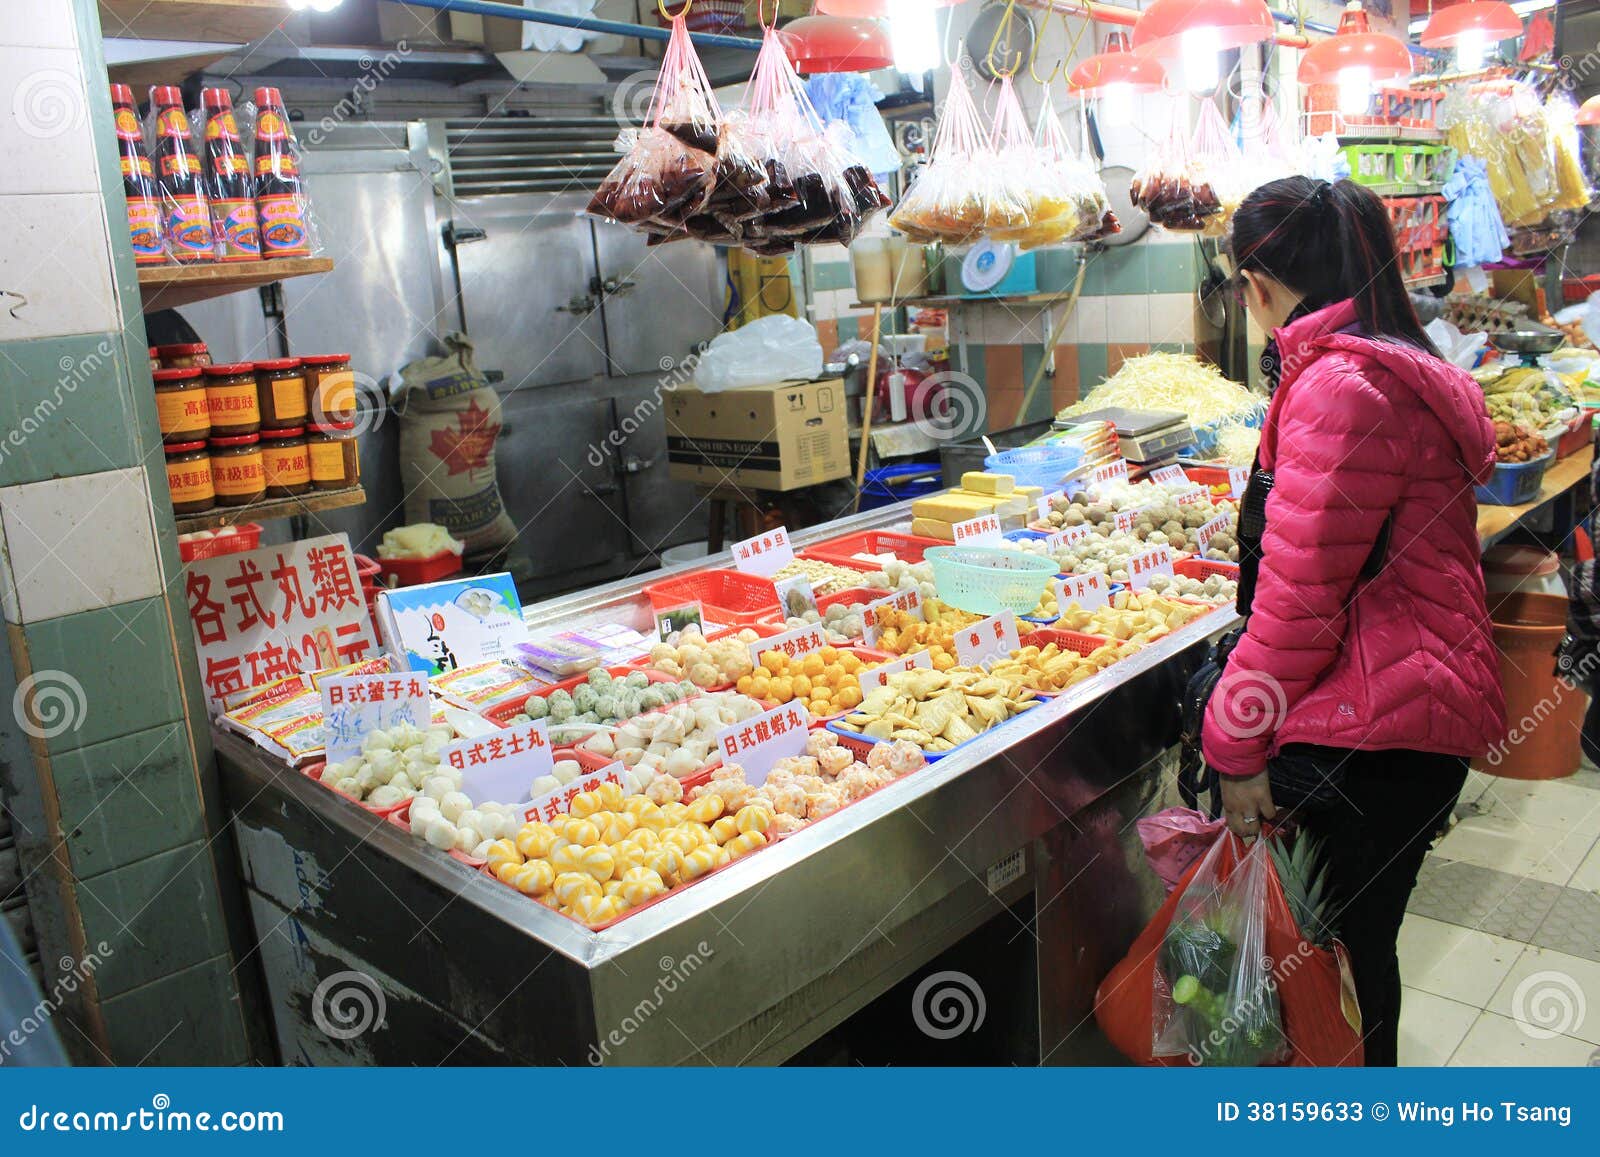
[(1457, 348), (767, 351)]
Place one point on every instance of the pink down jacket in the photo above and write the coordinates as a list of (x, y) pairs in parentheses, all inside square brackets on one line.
[(1359, 429)]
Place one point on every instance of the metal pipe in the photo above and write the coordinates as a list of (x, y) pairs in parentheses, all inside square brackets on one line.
[(584, 23)]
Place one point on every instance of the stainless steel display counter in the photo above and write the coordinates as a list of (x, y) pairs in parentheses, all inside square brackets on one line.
[(1026, 833)]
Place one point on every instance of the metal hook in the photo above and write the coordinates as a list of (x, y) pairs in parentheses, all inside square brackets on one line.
[(22, 301), (1004, 28), (1055, 72), (661, 7), (761, 13)]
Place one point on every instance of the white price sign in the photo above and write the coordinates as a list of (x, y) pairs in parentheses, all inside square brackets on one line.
[(1124, 519), (1089, 591), (908, 601), (1192, 497), (1169, 475), (1066, 537), (354, 706), (983, 530), (871, 678), (1238, 479), (559, 802), (987, 640), (1047, 499), (1107, 472), (759, 742), (764, 554), (1145, 565), (1208, 531), (800, 641), (500, 766)]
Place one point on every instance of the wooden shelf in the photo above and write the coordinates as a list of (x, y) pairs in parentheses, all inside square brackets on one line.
[(312, 503), (1495, 521), (222, 21), (168, 286)]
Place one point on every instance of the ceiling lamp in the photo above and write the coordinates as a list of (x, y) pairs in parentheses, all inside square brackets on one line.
[(836, 44), (1117, 65), (873, 7), (1470, 28), (1589, 111), (1355, 58), (1193, 32)]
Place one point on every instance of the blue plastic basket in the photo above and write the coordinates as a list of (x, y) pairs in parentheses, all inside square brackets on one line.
[(1024, 535), (985, 581), (1205, 437), (1043, 466), (1513, 483)]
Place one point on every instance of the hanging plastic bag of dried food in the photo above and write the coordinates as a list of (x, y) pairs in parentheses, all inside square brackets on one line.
[(1218, 166), (1059, 180), (668, 168), (948, 200), (1096, 218), (1028, 203), (1169, 189)]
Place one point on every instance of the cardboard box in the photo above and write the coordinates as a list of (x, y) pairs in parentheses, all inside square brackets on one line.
[(778, 437)]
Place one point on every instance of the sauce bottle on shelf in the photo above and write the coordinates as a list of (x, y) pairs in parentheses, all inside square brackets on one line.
[(138, 181), (183, 197), (228, 184), (280, 197)]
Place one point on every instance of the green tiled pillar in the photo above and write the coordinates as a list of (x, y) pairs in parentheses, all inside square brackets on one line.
[(108, 766)]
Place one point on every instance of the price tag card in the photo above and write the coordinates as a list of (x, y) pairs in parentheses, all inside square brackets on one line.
[(987, 640), (983, 530), (675, 619), (1169, 475), (1238, 479), (764, 554), (795, 596), (1124, 519), (1107, 472), (1046, 500), (1066, 536), (354, 706), (758, 743), (1194, 496), (800, 641), (908, 601), (871, 678), (1209, 530), (554, 803), (1089, 591), (501, 766), (1145, 565)]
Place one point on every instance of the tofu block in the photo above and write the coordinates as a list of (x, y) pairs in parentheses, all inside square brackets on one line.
[(1031, 493), (981, 482), (1013, 505), (952, 506), (933, 528)]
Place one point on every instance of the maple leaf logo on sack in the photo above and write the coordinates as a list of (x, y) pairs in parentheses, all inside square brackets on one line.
[(467, 447)]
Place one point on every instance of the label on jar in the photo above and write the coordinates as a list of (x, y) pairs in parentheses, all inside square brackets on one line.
[(182, 411), (289, 398), (233, 405), (234, 223), (237, 474), (144, 231), (336, 393), (189, 228), (283, 225), (190, 481), (327, 462), (286, 465)]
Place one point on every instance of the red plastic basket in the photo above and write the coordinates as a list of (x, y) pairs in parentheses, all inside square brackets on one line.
[(1203, 568), (1077, 642), (728, 596), (411, 572), (906, 547), (1579, 434), (501, 713), (246, 536)]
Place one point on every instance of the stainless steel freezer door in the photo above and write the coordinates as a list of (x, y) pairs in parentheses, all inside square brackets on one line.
[(525, 288), (660, 303)]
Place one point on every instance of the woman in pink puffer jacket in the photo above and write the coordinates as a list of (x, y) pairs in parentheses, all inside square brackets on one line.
[(1366, 676)]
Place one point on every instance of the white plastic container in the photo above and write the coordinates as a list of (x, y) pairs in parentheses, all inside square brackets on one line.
[(873, 269), (1525, 569)]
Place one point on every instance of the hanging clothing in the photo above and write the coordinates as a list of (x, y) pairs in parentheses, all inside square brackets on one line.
[(1480, 235)]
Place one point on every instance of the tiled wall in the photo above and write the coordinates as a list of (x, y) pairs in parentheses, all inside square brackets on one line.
[(108, 769)]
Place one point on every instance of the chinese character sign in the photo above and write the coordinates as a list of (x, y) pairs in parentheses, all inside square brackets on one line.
[(1066, 537), (354, 706), (759, 742), (263, 615), (1108, 472), (1046, 500), (1089, 591), (796, 643), (1193, 496), (983, 530), (1169, 475), (764, 554), (871, 678), (1145, 565), (1238, 478), (500, 766), (987, 640), (871, 626), (558, 802), (1208, 531)]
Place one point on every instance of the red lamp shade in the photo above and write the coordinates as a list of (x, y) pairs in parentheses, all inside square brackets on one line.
[(836, 44), (1160, 28), (1104, 69), (870, 7), (1493, 18), (1589, 111), (1382, 57)]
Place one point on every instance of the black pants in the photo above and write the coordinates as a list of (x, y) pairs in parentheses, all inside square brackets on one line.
[(1374, 813)]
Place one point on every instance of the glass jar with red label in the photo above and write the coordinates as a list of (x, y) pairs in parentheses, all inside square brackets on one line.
[(286, 462), (335, 457), (281, 385), (182, 408), (237, 473), (330, 387), (233, 400), (189, 477)]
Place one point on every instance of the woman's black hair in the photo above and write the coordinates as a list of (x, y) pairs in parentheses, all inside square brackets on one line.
[(1329, 241)]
